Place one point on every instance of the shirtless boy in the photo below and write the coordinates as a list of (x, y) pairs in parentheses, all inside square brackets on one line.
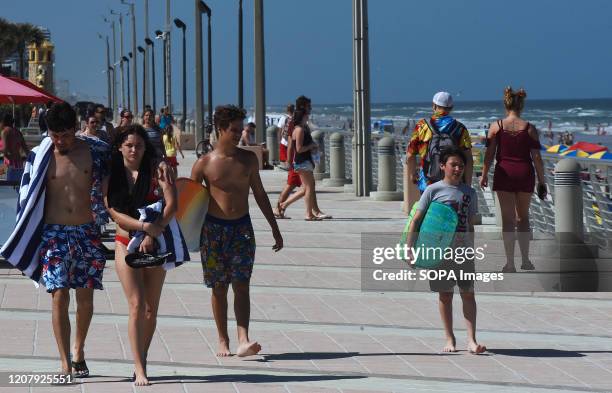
[(71, 253), (228, 243)]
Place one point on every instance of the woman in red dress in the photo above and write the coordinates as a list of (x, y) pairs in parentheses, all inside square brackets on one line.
[(515, 144)]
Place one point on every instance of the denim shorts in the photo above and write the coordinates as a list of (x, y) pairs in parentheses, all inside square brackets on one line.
[(305, 166)]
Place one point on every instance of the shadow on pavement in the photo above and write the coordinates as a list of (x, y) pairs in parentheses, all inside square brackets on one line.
[(248, 378), (333, 355), (542, 352)]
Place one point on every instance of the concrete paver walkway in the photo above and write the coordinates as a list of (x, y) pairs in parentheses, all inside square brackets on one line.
[(319, 331)]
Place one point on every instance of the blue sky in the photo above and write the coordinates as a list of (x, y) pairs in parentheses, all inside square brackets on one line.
[(554, 48)]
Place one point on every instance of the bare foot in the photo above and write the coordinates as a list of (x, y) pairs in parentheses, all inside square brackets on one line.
[(248, 348), (141, 380), (450, 345), (475, 348), (223, 350)]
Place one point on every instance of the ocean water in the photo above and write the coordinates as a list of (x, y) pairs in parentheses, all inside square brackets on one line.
[(582, 117)]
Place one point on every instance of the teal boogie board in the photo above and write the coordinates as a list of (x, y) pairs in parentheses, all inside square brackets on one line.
[(437, 230)]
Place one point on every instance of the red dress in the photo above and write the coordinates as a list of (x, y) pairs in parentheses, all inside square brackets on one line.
[(514, 170)]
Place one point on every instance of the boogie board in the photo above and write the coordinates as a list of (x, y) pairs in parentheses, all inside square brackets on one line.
[(437, 230), (192, 207)]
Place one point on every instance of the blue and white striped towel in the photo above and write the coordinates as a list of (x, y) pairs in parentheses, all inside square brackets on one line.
[(171, 240)]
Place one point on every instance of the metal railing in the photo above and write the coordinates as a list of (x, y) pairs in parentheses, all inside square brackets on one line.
[(596, 178)]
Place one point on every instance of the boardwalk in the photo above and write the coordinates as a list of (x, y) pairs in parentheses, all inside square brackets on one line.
[(319, 331)]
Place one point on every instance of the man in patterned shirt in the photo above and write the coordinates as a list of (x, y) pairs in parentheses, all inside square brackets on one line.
[(443, 122)]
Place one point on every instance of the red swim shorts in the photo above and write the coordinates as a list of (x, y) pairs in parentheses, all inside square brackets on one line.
[(293, 178)]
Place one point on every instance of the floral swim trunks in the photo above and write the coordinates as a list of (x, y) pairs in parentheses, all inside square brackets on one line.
[(72, 256), (227, 248)]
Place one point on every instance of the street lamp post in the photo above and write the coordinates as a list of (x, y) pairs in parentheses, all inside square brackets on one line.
[(161, 35), (121, 55), (112, 24), (144, 76), (127, 61), (199, 8), (150, 42), (240, 59), (181, 25), (260, 73), (134, 67), (208, 11), (108, 77), (111, 69)]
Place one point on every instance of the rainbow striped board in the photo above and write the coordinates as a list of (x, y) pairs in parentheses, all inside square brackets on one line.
[(192, 207)]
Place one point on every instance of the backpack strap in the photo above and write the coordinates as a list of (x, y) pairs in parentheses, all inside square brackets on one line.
[(433, 128)]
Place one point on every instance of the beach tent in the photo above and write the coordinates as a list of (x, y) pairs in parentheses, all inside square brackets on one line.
[(602, 155), (587, 147), (13, 92), (556, 148), (574, 153)]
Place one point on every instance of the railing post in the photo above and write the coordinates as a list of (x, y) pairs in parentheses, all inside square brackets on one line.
[(272, 144), (568, 201), (336, 161), (319, 170), (387, 187), (350, 187)]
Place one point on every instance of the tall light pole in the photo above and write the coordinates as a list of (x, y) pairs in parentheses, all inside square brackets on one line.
[(181, 25), (112, 23), (209, 125), (150, 42), (121, 55), (161, 35), (134, 66), (199, 84), (168, 58), (146, 48), (240, 58), (144, 76), (260, 74), (110, 69), (361, 94), (108, 77), (127, 61)]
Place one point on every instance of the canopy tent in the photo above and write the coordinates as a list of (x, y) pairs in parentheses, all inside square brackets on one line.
[(587, 147), (13, 92)]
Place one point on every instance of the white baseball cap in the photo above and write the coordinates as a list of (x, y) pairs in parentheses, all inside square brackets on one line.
[(444, 99)]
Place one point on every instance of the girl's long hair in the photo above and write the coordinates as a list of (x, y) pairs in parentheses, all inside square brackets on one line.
[(119, 196)]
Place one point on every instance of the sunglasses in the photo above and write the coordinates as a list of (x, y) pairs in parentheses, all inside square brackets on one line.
[(94, 122), (99, 111), (128, 117)]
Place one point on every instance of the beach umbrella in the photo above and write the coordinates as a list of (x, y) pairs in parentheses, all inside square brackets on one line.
[(544, 147), (587, 147), (13, 92), (574, 153), (556, 148), (602, 155)]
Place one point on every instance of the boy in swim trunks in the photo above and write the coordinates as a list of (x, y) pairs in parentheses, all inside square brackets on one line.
[(227, 243), (71, 249), (462, 198)]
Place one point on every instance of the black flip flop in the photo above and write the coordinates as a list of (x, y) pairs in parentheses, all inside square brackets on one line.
[(80, 369)]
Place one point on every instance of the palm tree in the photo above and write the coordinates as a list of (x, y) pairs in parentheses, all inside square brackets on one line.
[(7, 38)]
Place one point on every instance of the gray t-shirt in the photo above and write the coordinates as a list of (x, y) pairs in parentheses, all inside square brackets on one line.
[(461, 198)]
